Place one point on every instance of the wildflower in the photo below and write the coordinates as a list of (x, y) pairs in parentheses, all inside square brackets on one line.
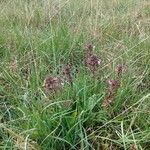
[(53, 83), (119, 69), (67, 73), (113, 87), (91, 60)]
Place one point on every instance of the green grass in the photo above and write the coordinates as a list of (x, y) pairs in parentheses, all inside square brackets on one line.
[(37, 38)]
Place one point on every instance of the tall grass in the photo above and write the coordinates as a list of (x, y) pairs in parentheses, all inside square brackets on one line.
[(38, 39)]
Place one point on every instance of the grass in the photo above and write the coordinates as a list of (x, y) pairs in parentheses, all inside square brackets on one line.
[(38, 38)]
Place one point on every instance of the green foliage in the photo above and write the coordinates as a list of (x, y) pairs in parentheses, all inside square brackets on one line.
[(38, 38)]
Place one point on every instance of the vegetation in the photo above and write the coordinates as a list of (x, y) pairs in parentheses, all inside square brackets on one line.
[(75, 74)]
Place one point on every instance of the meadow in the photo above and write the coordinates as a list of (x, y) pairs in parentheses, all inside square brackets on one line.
[(75, 75)]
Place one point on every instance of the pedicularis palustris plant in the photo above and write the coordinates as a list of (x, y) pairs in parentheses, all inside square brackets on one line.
[(120, 69), (53, 84), (113, 86), (92, 61)]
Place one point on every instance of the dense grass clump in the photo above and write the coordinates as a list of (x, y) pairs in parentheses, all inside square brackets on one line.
[(75, 75)]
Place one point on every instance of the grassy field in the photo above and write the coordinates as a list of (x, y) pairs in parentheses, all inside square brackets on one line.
[(75, 75)]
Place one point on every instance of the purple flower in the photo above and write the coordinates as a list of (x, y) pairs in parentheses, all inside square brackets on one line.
[(110, 97), (113, 84), (92, 61), (53, 83)]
